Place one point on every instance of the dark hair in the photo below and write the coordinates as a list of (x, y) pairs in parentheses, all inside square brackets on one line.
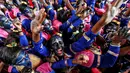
[(9, 54), (22, 7), (63, 15), (97, 5), (28, 70)]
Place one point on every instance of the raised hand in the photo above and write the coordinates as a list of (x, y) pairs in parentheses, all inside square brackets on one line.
[(36, 26), (18, 25), (112, 10), (124, 32), (121, 34)]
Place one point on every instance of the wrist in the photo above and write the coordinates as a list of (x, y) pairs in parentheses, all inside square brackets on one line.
[(74, 61)]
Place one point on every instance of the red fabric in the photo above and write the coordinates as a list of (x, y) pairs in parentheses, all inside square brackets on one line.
[(46, 36), (31, 3), (95, 70), (11, 13)]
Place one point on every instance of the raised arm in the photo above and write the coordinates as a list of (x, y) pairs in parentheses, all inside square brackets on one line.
[(36, 26), (37, 38), (22, 37)]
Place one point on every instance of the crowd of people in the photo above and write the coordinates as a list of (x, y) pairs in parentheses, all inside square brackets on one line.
[(64, 36)]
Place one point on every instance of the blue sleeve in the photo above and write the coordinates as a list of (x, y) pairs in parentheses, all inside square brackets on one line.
[(84, 42), (108, 59), (40, 48), (61, 64), (75, 24), (26, 24), (23, 41), (51, 12), (73, 12), (66, 25), (95, 19), (60, 2)]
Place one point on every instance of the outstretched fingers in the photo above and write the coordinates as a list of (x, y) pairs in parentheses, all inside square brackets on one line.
[(43, 16)]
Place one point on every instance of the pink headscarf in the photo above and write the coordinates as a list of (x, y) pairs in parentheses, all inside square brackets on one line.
[(90, 56)]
